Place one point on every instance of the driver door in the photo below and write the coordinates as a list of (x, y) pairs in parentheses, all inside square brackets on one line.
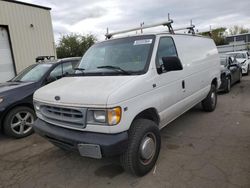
[(170, 90)]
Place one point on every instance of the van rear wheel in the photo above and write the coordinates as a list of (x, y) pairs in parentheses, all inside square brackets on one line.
[(210, 102), (143, 148)]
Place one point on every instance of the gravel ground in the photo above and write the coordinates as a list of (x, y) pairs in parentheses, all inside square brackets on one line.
[(198, 150)]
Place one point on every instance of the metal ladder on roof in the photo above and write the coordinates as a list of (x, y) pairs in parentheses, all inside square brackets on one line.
[(142, 27)]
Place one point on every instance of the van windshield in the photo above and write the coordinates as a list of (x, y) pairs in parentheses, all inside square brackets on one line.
[(126, 55)]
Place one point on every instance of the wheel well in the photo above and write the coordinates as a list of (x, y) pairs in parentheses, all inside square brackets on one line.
[(12, 107), (150, 114), (215, 82)]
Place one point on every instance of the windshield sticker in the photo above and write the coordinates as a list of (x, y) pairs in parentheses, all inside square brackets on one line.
[(141, 42)]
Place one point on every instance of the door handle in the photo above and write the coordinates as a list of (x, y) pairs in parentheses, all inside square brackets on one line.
[(183, 84)]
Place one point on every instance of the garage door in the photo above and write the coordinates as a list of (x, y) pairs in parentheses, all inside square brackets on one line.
[(6, 61)]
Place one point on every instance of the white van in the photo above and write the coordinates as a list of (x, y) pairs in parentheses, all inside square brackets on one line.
[(126, 90)]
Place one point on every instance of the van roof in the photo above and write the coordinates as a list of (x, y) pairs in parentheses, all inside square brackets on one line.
[(156, 34)]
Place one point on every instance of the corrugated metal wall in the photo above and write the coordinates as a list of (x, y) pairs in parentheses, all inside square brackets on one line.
[(27, 42)]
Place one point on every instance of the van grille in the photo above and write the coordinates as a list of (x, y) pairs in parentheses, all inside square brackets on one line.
[(69, 117)]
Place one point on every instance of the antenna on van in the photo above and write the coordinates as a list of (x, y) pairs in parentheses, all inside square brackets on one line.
[(142, 26)]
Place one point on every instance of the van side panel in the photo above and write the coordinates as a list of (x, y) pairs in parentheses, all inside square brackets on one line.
[(201, 65)]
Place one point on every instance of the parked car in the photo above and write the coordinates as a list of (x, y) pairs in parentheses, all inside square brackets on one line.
[(231, 72), (16, 96), (244, 58), (125, 91)]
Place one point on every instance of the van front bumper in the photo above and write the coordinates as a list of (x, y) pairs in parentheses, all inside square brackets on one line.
[(88, 144)]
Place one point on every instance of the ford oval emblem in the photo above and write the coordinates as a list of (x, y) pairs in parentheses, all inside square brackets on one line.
[(57, 98)]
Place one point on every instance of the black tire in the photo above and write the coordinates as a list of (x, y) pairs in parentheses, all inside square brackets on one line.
[(132, 160), (247, 70), (19, 127), (210, 102), (228, 85)]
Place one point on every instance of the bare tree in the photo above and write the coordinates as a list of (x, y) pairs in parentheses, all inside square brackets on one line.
[(238, 30)]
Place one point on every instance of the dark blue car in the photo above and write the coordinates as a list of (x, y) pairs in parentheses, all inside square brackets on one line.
[(16, 96), (231, 72)]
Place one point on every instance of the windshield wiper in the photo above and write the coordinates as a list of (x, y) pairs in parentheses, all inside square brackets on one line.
[(80, 69), (77, 74), (119, 69)]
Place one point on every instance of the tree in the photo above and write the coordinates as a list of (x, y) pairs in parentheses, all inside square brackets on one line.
[(235, 30), (217, 35), (74, 45)]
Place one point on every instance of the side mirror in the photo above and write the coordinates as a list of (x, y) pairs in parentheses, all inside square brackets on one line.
[(172, 63)]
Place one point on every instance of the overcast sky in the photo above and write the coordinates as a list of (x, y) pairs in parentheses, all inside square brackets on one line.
[(94, 16)]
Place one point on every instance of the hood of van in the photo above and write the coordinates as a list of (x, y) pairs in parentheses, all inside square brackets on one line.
[(81, 91)]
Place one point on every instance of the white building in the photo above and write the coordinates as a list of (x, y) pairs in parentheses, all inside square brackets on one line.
[(25, 33)]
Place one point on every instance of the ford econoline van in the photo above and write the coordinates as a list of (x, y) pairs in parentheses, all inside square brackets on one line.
[(124, 92)]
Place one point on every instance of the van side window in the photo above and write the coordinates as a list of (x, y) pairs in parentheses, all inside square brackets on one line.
[(166, 48)]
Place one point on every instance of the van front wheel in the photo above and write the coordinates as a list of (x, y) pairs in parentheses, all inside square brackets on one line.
[(143, 147), (210, 102)]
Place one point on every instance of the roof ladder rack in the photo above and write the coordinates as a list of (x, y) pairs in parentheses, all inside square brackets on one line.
[(167, 23), (190, 29)]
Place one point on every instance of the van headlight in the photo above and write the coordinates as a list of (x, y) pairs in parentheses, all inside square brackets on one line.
[(36, 106), (104, 116)]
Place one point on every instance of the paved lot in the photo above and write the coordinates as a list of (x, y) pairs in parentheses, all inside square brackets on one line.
[(198, 150)]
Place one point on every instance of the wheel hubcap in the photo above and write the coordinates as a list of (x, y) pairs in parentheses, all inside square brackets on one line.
[(22, 122), (147, 148)]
